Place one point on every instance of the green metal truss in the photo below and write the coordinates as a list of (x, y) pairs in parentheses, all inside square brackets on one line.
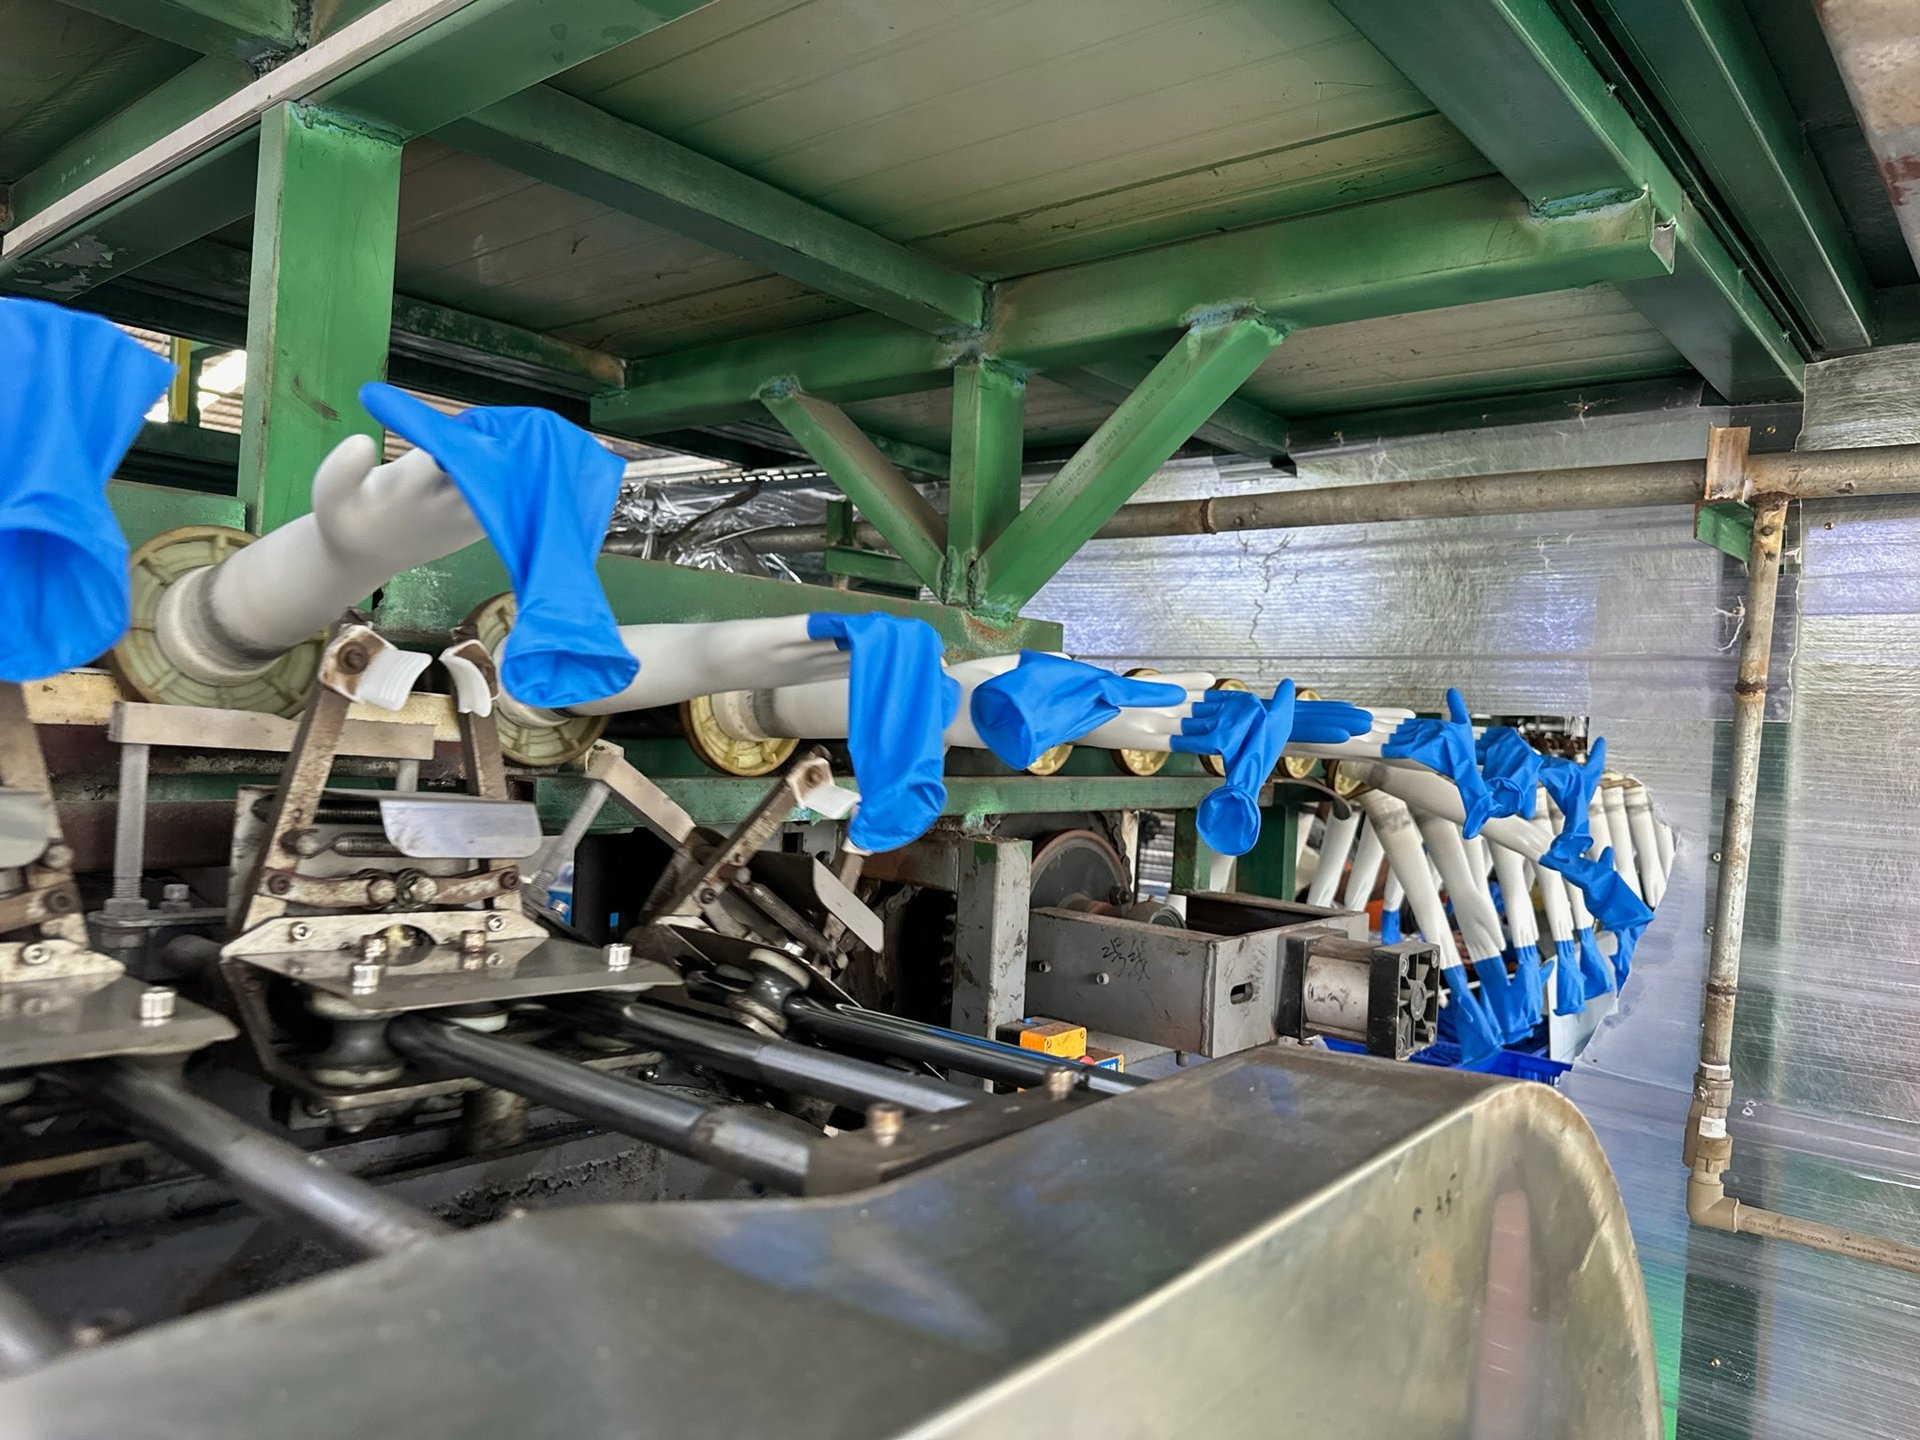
[(321, 302), (1239, 427), (1512, 77), (983, 493), (570, 144), (1451, 245), (251, 30), (917, 532), (1212, 360)]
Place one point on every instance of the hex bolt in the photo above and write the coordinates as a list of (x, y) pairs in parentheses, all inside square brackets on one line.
[(300, 930), (885, 1121), (353, 659), (364, 976), (34, 955), (1060, 1083), (156, 1004), (619, 955)]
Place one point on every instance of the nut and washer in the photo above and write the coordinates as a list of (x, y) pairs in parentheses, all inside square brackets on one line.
[(885, 1121), (156, 1004), (619, 955), (364, 976)]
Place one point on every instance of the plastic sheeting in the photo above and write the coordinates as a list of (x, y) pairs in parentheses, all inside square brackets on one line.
[(1622, 617)]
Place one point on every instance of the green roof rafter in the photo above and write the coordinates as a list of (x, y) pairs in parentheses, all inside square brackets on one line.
[(1511, 76), (565, 142), (249, 30), (1475, 240)]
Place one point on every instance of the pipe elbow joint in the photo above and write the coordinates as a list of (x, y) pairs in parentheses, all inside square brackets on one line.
[(1709, 1204)]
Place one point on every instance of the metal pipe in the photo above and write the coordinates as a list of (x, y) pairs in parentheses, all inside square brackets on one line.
[(272, 1176), (969, 1054), (1801, 475), (27, 1338), (1707, 1147), (727, 1137), (780, 1063), (130, 823)]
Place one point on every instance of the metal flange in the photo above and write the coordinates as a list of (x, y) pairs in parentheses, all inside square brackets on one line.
[(539, 738), (1140, 762), (722, 751), (278, 689)]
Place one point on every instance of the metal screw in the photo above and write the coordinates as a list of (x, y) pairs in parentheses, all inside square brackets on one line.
[(493, 957), (300, 930), (33, 955), (364, 975), (495, 922), (1103, 978), (279, 884), (353, 659), (709, 895), (1060, 1083), (1043, 967), (1716, 857), (885, 1122), (156, 1004), (59, 902), (619, 955), (509, 879)]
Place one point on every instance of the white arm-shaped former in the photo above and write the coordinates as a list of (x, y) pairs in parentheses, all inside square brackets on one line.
[(1393, 823), (1646, 843), (1368, 858), (1435, 794), (1613, 799), (1576, 902), (1336, 840), (1516, 895), (369, 523), (1151, 729), (1472, 905), (678, 662), (1358, 747)]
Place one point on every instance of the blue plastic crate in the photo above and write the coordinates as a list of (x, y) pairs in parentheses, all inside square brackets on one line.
[(1516, 1064)]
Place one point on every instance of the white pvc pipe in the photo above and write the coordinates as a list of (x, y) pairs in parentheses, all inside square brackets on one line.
[(1368, 857), (1393, 895), (1472, 906), (1626, 864), (1394, 824), (1646, 842), (1336, 841), (369, 523), (1554, 890), (1481, 854)]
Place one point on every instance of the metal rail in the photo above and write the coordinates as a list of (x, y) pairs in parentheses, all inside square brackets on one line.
[(1805, 475), (780, 1063), (970, 1054), (272, 1176), (727, 1137)]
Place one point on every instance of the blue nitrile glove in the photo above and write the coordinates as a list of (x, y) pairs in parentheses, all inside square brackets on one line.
[(1572, 787), (1249, 735), (1328, 722), (1625, 942), (1390, 926), (1503, 997), (1047, 700), (73, 389), (1596, 976), (1464, 1020), (1446, 747), (1511, 768), (899, 704), (1530, 980), (1607, 893), (1570, 989), (543, 490)]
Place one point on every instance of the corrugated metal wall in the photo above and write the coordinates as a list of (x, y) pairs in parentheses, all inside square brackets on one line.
[(1624, 618)]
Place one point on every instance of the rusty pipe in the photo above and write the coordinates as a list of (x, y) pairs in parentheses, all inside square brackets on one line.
[(1798, 475)]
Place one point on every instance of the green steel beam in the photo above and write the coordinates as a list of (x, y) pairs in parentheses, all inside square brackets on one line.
[(422, 603), (1709, 74), (196, 176), (983, 494), (1514, 80), (1239, 427), (144, 511), (872, 567), (1450, 245), (915, 530), (254, 31), (568, 143), (723, 801), (321, 305), (1211, 361)]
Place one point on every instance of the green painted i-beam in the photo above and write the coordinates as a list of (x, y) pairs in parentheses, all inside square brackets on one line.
[(320, 305), (1211, 361), (898, 511), (989, 406)]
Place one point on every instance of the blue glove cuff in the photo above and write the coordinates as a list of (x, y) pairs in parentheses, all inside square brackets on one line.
[(1570, 991), (1596, 974), (1228, 819)]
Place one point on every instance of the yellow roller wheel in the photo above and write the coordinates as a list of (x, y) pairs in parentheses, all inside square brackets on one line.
[(523, 739)]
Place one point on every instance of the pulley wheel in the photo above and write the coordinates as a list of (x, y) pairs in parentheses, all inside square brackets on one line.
[(523, 739), (1078, 866), (721, 751), (1140, 762)]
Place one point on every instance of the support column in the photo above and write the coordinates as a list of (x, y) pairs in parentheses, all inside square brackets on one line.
[(990, 934), (989, 416), (1212, 360), (1268, 868), (320, 304)]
